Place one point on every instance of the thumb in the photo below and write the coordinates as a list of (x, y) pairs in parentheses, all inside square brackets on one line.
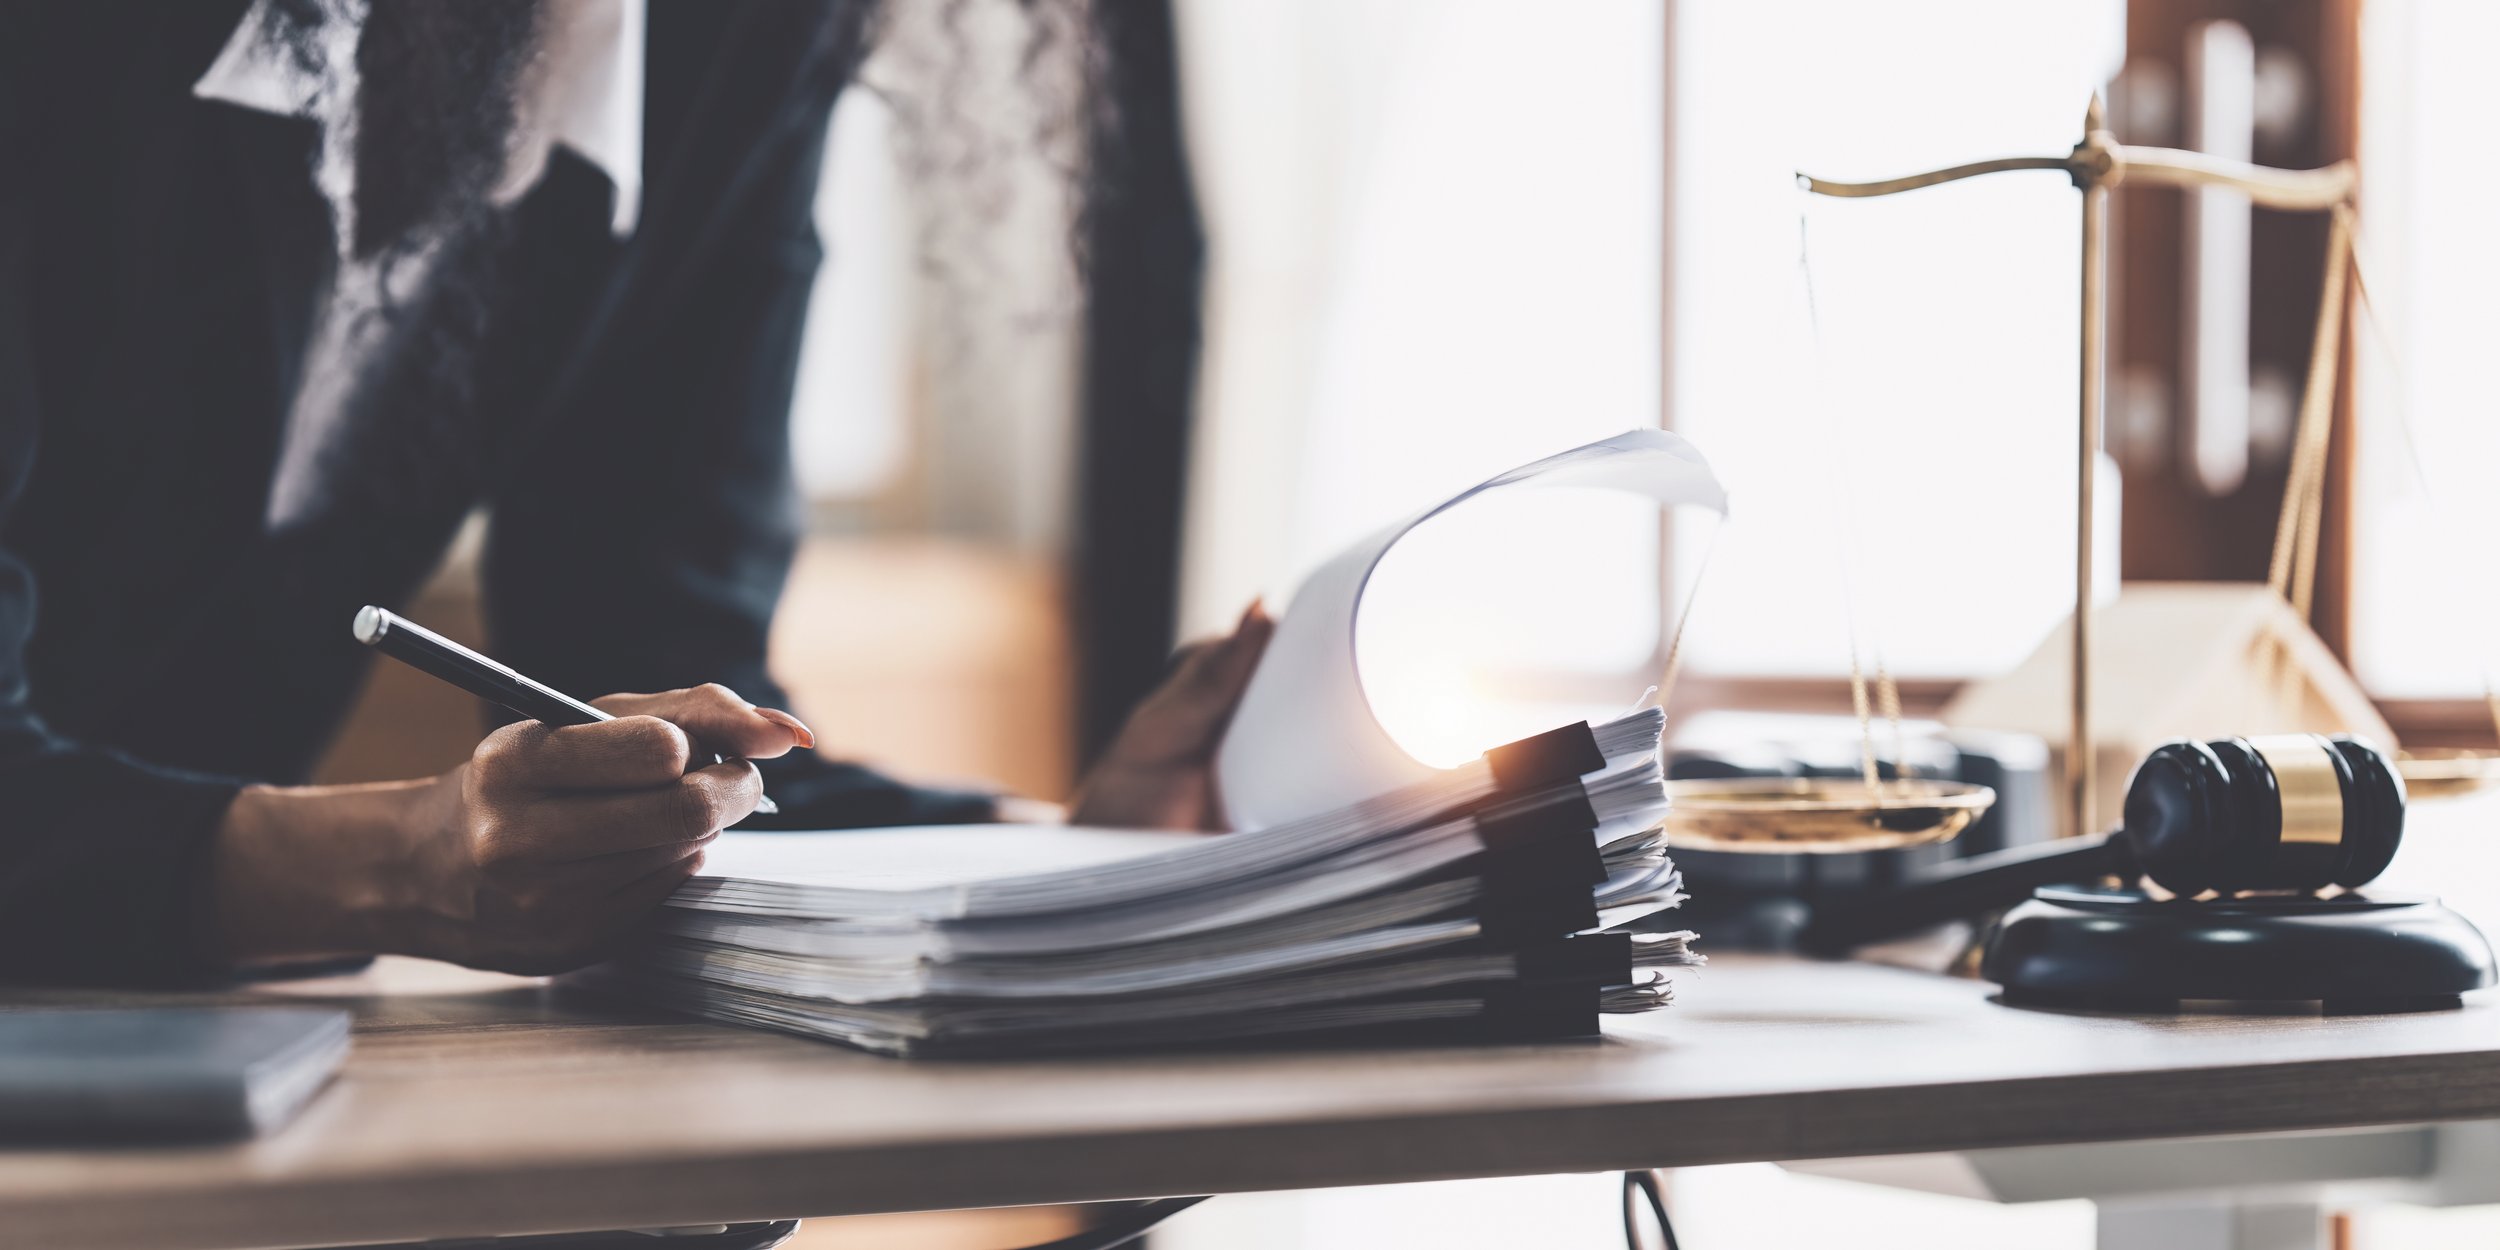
[(1186, 715)]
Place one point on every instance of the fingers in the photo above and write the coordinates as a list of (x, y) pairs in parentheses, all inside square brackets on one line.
[(1223, 671), (563, 839), (628, 907), (561, 828), (549, 930), (638, 895), (650, 743), (601, 875), (630, 752), (1184, 718), (719, 720)]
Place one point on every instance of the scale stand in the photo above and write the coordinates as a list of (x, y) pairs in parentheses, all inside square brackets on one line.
[(2098, 164), (2084, 947), (2110, 949), (1788, 816)]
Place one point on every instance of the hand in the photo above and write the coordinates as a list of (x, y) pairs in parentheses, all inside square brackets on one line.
[(1159, 773), (536, 856)]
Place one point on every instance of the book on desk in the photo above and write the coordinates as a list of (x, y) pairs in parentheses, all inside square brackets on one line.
[(162, 1072)]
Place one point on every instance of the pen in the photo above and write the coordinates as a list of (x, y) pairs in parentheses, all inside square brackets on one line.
[(428, 652)]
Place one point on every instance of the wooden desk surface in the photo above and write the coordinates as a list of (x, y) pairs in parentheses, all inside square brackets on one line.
[(477, 1104)]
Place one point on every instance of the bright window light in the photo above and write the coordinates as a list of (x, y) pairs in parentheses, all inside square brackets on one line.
[(1927, 445), (850, 415), (2427, 617), (1434, 234), (1467, 622)]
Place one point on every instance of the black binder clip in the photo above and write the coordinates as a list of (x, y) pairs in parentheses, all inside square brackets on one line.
[(1540, 866), (1547, 759), (1588, 958), (1540, 1011)]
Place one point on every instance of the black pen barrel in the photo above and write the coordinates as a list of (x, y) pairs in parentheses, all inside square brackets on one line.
[(434, 655), (426, 651)]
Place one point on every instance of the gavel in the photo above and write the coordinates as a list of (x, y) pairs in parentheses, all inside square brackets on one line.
[(2284, 813)]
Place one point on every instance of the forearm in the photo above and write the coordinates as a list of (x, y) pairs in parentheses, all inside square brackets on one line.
[(311, 871)]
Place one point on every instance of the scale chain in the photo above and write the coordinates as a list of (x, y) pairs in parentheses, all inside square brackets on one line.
[(1887, 695)]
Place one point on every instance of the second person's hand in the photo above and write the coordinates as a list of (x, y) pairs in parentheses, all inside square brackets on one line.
[(1159, 773)]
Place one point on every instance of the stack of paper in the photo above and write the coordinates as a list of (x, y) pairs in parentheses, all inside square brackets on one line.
[(1460, 899), (1367, 892)]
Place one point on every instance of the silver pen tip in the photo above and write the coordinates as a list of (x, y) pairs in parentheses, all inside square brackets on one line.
[(371, 624)]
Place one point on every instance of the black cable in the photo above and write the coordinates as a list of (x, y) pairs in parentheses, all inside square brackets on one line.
[(1129, 1225), (1646, 1183)]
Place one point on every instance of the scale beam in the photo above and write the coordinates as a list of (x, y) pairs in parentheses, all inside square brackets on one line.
[(2291, 190), (2108, 165), (1932, 178)]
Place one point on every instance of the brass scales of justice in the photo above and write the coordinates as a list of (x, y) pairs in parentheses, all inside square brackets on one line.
[(1790, 815)]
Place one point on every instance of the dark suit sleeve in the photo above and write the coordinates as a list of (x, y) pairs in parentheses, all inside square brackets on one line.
[(103, 859), (644, 543)]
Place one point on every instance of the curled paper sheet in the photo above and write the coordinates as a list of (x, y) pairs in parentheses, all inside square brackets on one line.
[(1305, 739)]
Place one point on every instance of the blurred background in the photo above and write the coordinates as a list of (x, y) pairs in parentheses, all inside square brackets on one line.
[(1355, 255)]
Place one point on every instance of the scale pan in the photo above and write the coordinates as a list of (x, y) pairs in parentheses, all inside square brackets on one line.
[(2447, 772), (1818, 815)]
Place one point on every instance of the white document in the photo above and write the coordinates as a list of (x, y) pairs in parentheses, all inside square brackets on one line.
[(1305, 739), (929, 857), (992, 872)]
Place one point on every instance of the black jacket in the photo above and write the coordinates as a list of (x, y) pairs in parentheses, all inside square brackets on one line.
[(161, 262)]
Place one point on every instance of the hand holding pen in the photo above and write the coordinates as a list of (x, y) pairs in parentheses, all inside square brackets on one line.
[(428, 652), (555, 839)]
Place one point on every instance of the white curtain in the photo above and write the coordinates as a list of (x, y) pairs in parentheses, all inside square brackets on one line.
[(1433, 229), (939, 376), (1434, 240), (1925, 438)]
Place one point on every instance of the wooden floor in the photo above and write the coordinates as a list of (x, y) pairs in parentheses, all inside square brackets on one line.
[(478, 1104)]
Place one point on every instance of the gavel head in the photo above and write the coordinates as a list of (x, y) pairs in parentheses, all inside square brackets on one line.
[(2289, 812)]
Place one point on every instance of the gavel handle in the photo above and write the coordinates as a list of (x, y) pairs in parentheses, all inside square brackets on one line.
[(1964, 887)]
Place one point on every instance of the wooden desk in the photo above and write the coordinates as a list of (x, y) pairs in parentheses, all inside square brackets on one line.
[(478, 1104)]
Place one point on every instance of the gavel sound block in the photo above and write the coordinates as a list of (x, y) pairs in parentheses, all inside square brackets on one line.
[(2255, 849)]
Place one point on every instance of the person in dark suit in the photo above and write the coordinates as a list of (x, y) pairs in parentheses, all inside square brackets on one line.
[(290, 287)]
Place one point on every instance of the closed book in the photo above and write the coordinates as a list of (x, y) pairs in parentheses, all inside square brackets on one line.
[(171, 1072)]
